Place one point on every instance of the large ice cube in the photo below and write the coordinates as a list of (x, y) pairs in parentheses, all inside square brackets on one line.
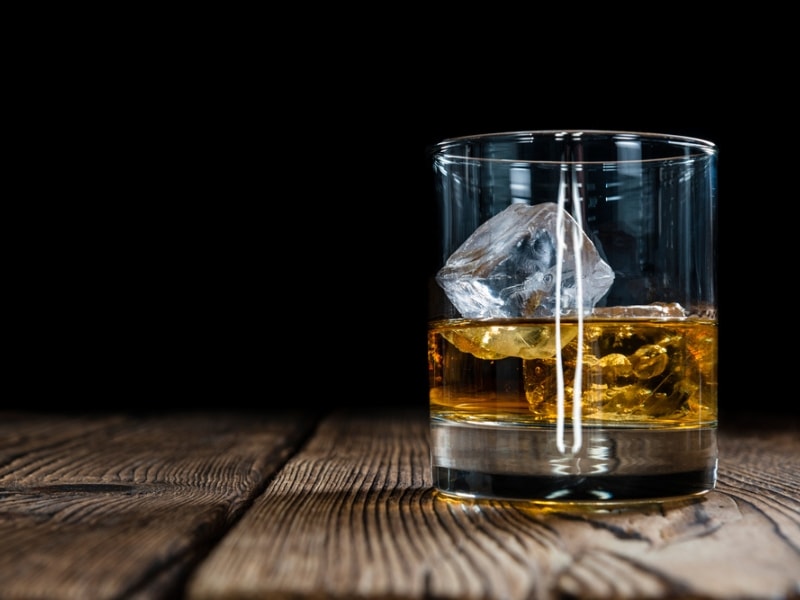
[(507, 267)]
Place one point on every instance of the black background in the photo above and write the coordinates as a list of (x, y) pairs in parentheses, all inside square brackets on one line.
[(224, 235)]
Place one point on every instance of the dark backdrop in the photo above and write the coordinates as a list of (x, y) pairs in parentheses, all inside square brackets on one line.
[(243, 239)]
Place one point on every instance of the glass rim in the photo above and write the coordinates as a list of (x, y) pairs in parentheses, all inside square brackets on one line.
[(448, 147)]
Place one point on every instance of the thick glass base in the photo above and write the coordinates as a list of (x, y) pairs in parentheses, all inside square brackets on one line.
[(576, 490), (619, 465)]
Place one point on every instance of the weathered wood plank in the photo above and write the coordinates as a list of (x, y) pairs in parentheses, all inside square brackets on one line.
[(353, 515), (124, 506)]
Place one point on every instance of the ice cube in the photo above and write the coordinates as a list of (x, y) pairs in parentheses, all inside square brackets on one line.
[(651, 311), (507, 267)]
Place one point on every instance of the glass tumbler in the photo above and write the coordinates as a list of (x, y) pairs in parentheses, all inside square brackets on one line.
[(573, 336)]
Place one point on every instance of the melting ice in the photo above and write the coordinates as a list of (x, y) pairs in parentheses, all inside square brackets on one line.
[(507, 267)]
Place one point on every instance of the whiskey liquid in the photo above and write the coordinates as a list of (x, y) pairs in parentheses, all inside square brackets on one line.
[(510, 399)]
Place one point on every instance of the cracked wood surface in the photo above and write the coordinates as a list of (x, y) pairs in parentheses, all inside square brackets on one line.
[(212, 506)]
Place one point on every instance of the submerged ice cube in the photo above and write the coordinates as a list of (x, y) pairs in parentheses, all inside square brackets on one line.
[(655, 310), (507, 267)]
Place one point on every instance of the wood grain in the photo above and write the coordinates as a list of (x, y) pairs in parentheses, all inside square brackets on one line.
[(122, 507), (352, 514), (222, 506)]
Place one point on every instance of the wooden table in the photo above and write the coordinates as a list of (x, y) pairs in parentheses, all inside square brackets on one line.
[(259, 505)]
